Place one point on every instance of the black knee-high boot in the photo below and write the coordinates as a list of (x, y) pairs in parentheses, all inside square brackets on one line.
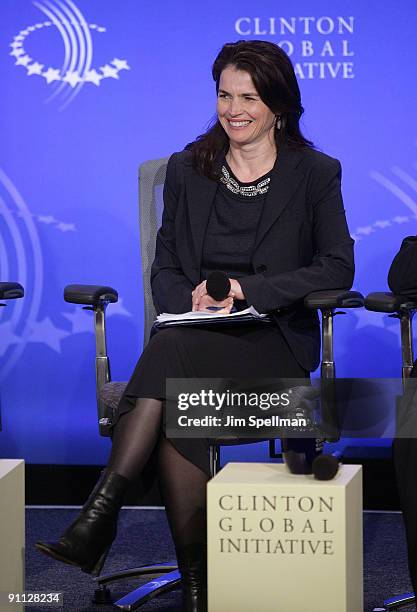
[(192, 563), (87, 541), (183, 488)]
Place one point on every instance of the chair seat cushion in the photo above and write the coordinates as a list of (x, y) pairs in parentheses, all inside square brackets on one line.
[(110, 394)]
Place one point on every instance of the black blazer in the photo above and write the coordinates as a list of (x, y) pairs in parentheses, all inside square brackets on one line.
[(402, 276), (302, 243)]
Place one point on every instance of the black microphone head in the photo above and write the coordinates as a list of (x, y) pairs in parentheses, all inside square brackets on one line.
[(218, 285), (325, 467)]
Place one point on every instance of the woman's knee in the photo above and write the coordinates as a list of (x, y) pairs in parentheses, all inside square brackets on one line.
[(168, 337)]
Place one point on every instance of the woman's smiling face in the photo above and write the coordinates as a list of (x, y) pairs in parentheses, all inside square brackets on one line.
[(241, 112)]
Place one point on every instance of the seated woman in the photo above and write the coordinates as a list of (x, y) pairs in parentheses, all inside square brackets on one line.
[(250, 197)]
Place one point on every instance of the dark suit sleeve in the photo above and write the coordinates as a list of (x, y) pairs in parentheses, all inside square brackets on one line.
[(171, 289), (332, 266), (402, 276)]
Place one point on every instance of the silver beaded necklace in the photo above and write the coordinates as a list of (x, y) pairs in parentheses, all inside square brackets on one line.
[(244, 190)]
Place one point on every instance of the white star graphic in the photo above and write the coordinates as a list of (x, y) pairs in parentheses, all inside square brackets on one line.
[(18, 38), (35, 68), (17, 52), (382, 224), (366, 230), (401, 220), (100, 29), (118, 309), (120, 64), (23, 61), (45, 332), (31, 28), (72, 77), (7, 337), (108, 71), (92, 76), (66, 227), (367, 318), (16, 44), (52, 74), (46, 219), (82, 321)]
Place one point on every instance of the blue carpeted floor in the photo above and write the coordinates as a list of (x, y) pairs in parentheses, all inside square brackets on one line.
[(144, 538)]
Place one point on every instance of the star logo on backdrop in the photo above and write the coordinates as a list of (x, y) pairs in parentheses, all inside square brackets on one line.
[(62, 226), (48, 219), (81, 320), (59, 225), (382, 224), (367, 318), (66, 227), (401, 220), (35, 68), (45, 332), (77, 69), (367, 230), (118, 309)]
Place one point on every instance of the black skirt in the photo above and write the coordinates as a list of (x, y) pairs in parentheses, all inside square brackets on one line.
[(241, 351)]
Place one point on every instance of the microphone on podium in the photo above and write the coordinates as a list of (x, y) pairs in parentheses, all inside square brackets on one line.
[(325, 467), (218, 285)]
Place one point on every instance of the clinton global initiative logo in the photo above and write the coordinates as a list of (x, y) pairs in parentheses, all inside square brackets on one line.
[(60, 51), (320, 47)]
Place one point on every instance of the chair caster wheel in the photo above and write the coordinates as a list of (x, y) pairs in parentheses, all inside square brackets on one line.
[(102, 595)]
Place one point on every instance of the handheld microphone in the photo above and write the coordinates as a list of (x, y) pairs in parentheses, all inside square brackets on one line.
[(218, 285), (325, 467)]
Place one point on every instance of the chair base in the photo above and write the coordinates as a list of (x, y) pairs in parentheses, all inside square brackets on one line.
[(397, 602), (168, 579)]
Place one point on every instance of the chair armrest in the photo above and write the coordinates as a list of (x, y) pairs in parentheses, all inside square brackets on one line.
[(334, 298), (96, 298), (90, 295), (11, 291), (389, 302)]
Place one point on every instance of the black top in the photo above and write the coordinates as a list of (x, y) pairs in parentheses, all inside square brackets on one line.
[(231, 229)]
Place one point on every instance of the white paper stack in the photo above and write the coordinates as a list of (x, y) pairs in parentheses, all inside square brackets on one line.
[(194, 318)]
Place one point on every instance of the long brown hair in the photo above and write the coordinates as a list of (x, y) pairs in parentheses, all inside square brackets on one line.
[(273, 76)]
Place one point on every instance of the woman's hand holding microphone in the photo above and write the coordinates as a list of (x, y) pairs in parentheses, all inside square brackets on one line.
[(216, 294)]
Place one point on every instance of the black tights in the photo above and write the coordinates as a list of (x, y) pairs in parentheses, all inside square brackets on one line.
[(183, 485)]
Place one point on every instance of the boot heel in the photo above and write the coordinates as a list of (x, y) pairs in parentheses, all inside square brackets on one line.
[(95, 569)]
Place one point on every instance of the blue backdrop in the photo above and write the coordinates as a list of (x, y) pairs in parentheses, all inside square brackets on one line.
[(92, 88)]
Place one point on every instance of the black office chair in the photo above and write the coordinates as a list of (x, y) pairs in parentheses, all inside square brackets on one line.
[(402, 308), (97, 298), (10, 291)]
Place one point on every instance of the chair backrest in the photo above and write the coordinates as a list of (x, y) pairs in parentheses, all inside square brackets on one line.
[(151, 183)]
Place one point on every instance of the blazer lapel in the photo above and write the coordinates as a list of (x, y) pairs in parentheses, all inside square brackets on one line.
[(200, 193), (284, 181)]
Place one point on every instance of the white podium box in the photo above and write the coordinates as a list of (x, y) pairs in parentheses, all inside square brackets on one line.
[(279, 541), (12, 529)]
